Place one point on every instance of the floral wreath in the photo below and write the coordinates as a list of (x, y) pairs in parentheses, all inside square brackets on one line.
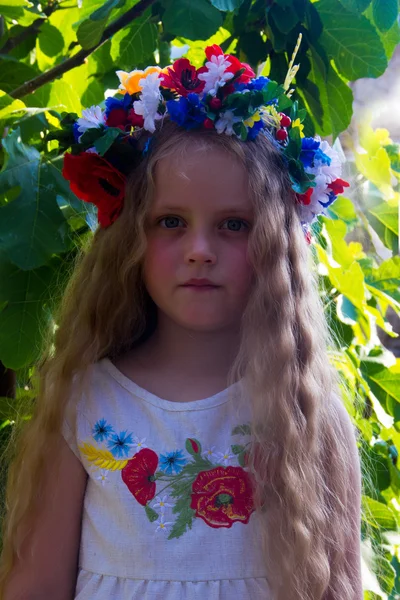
[(224, 95)]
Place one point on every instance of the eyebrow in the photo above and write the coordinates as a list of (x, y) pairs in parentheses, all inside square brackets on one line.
[(223, 211)]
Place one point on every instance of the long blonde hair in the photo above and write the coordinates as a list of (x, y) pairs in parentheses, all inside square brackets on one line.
[(283, 358)]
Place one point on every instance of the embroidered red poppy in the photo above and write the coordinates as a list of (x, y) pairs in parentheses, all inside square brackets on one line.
[(182, 77), (138, 475), (94, 179), (222, 496)]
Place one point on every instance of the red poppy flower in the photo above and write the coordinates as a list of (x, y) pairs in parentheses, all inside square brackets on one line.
[(222, 496), (338, 186), (182, 77), (94, 179), (138, 475)]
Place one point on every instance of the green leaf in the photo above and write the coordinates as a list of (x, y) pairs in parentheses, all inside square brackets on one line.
[(32, 225), (24, 317), (51, 41), (356, 5), (241, 430), (351, 41), (385, 574), (10, 107), (385, 13), (103, 143), (14, 73), (104, 10), (378, 514), (325, 84), (193, 20), (236, 449), (285, 17), (227, 5), (89, 33), (184, 520), (151, 514), (388, 214), (13, 9), (133, 45)]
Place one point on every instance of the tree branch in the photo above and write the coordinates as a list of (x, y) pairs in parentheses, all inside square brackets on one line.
[(79, 58), (32, 29)]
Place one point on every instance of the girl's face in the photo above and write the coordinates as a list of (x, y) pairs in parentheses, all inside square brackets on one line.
[(198, 228)]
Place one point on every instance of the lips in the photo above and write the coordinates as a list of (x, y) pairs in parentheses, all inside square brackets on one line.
[(200, 283)]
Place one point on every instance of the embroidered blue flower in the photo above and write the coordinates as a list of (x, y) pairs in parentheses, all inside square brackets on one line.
[(188, 111), (101, 430), (112, 103), (309, 147), (173, 462), (120, 444)]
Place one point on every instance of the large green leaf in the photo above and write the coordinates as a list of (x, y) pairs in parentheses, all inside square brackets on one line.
[(332, 110), (193, 20), (226, 5), (50, 40), (385, 13), (351, 41), (14, 73), (32, 227), (384, 383), (89, 32), (22, 320), (135, 44), (356, 5), (378, 514)]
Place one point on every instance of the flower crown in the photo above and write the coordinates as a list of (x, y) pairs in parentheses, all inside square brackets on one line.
[(224, 95)]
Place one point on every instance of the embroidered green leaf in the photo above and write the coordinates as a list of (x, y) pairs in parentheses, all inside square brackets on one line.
[(241, 459), (102, 458), (237, 449), (185, 518), (241, 430), (152, 515)]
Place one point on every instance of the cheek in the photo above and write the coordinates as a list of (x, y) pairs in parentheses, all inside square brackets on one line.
[(159, 261)]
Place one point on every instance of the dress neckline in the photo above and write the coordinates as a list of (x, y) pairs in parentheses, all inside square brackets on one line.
[(132, 387)]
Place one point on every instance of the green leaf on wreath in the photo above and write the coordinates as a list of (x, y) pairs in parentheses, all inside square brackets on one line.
[(152, 515), (103, 143)]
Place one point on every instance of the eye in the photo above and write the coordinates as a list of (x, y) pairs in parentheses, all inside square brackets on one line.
[(171, 222), (236, 224)]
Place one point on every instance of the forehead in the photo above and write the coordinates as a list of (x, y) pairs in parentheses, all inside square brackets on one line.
[(210, 177)]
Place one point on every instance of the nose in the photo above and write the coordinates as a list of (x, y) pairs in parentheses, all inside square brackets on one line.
[(199, 249)]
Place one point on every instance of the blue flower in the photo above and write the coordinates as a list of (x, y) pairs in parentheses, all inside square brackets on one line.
[(101, 430), (326, 160), (331, 199), (188, 111), (113, 103), (252, 132), (309, 147), (76, 132), (120, 444), (173, 462)]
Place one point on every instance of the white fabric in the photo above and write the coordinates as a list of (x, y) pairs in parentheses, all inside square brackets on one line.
[(123, 554)]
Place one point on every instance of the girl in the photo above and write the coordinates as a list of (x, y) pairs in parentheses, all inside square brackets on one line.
[(189, 440)]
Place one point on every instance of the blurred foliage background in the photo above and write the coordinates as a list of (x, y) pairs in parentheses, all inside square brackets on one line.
[(61, 55)]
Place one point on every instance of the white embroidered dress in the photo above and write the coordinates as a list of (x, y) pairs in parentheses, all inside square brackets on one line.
[(168, 513)]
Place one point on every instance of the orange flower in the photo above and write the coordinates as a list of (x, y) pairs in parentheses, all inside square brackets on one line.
[(130, 81)]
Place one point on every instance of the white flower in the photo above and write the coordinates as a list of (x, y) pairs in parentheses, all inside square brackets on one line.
[(226, 121), (162, 525), (150, 98), (92, 150), (217, 75), (210, 453), (225, 457), (162, 503), (102, 477), (91, 118), (139, 444)]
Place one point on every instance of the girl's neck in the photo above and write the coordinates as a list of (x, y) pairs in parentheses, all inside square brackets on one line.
[(196, 353)]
